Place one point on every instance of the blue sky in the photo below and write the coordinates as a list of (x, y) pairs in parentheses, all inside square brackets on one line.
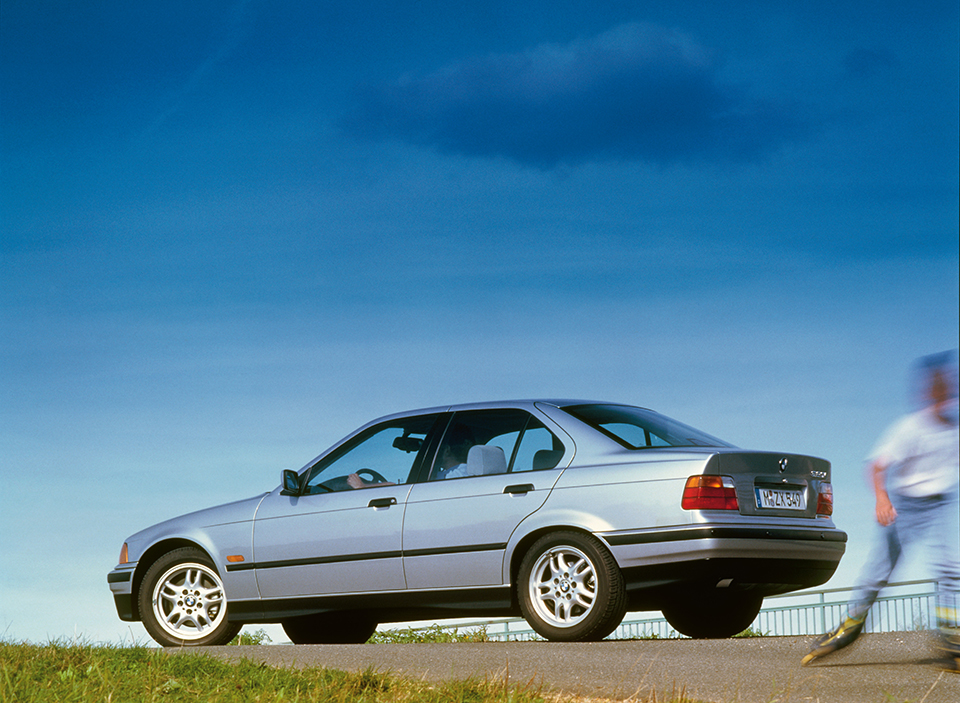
[(230, 232)]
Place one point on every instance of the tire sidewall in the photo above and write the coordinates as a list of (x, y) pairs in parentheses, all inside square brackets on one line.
[(609, 605), (221, 634)]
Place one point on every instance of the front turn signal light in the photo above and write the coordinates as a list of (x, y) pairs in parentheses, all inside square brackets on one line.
[(825, 500), (124, 554), (705, 492)]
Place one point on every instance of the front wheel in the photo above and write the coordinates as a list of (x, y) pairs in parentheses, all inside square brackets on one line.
[(712, 613), (182, 601), (570, 588)]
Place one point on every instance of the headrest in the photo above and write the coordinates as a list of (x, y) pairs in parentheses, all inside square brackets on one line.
[(485, 459), (547, 459)]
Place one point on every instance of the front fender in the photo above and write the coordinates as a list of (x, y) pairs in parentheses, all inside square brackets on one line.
[(222, 532)]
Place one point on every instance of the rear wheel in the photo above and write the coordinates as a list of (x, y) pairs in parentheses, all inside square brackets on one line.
[(329, 628), (570, 588), (182, 601), (712, 613)]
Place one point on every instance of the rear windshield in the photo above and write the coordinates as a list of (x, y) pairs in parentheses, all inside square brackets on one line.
[(637, 428)]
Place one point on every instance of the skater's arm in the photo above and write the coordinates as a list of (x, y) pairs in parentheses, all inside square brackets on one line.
[(886, 513)]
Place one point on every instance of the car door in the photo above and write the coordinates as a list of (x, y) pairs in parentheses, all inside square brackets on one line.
[(342, 533), (459, 520)]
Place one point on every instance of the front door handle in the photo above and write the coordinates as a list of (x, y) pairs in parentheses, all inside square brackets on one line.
[(382, 502), (519, 488)]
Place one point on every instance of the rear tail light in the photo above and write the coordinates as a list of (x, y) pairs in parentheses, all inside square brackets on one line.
[(709, 493), (825, 500)]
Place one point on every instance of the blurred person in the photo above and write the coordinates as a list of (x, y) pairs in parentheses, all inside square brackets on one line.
[(915, 475)]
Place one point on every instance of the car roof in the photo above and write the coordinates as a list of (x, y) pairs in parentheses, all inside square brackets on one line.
[(528, 403)]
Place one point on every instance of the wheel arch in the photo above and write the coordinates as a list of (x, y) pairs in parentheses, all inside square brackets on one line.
[(151, 555), (543, 521), (523, 546)]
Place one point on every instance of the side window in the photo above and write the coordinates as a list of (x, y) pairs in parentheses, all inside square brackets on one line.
[(539, 449), (385, 454), (484, 442)]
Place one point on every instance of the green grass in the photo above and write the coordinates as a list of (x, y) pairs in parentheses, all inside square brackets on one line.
[(435, 633), (245, 637), (64, 673), (750, 632), (68, 673)]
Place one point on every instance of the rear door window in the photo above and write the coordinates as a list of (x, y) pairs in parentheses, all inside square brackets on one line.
[(515, 441)]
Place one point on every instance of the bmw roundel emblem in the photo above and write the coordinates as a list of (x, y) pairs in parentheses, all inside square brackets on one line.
[(783, 464)]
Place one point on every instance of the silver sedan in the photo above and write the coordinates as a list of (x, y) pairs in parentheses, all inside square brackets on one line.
[(569, 513)]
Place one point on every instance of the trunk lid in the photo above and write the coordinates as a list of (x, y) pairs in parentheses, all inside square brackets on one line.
[(773, 484)]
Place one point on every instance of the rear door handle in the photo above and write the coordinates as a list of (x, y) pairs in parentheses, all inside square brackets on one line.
[(519, 488), (382, 502)]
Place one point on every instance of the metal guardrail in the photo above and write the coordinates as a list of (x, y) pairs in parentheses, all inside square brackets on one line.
[(902, 606)]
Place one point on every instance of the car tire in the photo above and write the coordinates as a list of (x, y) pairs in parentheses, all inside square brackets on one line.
[(329, 628), (712, 613), (183, 603), (570, 588)]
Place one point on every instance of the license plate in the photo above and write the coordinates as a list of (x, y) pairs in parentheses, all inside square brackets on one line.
[(781, 499)]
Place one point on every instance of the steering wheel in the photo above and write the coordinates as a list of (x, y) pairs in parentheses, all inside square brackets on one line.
[(376, 477)]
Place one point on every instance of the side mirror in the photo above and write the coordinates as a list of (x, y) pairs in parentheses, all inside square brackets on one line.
[(290, 480)]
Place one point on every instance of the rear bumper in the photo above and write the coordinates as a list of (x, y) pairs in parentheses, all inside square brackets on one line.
[(725, 532), (766, 559)]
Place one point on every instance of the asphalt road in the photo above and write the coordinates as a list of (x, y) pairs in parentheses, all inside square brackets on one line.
[(884, 668)]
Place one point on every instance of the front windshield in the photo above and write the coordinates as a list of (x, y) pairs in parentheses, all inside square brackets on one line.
[(637, 428)]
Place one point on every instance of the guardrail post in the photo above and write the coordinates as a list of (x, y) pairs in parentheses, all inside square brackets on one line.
[(823, 612)]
